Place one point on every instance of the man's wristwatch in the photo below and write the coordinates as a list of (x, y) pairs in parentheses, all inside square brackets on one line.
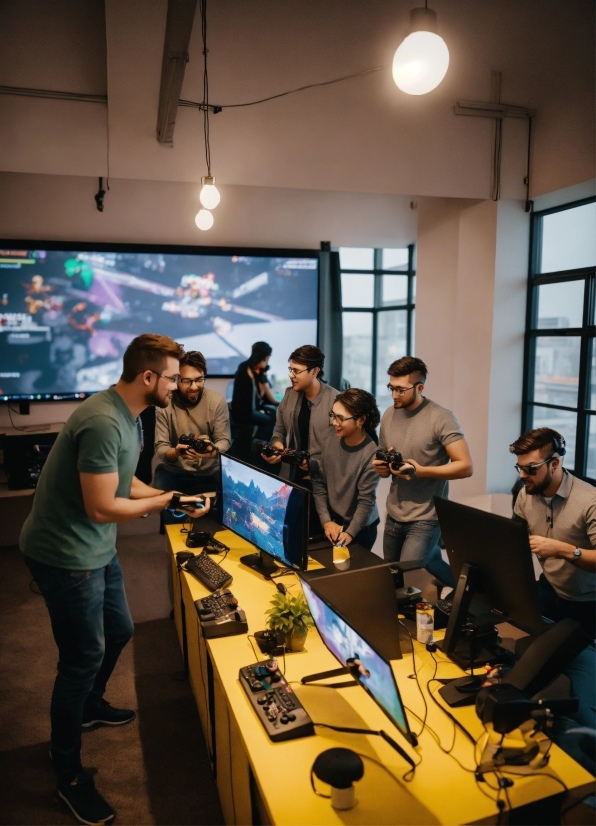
[(577, 553)]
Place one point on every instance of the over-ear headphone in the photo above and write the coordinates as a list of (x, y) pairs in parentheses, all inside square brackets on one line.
[(559, 446)]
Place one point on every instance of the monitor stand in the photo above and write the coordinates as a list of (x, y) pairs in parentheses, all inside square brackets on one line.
[(324, 675), (462, 644), (263, 563)]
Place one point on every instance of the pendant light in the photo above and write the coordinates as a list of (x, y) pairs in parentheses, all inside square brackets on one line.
[(422, 59)]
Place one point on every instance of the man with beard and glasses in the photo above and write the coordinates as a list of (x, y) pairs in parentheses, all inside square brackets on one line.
[(560, 513), (194, 409), (86, 487), (432, 443)]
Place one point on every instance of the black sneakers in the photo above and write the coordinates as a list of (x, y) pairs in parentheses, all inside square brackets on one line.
[(84, 801), (104, 714)]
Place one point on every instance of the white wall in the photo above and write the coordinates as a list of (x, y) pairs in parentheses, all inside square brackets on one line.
[(470, 318), (57, 207), (362, 135)]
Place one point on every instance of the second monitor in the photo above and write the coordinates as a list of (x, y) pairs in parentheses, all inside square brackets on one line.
[(269, 512)]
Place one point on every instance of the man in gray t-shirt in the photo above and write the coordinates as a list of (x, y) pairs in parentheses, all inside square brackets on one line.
[(431, 441)]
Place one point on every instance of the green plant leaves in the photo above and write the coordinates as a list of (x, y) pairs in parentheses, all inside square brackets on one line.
[(289, 613)]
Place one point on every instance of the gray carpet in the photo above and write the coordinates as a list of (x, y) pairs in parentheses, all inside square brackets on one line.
[(153, 771)]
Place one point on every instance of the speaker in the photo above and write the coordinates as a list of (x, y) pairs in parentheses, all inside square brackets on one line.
[(20, 458), (547, 657)]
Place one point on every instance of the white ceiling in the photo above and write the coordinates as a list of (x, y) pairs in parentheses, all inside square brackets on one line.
[(363, 135)]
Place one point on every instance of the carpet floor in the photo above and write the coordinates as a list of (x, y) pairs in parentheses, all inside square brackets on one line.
[(154, 770)]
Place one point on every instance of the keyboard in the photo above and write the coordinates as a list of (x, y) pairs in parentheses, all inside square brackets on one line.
[(212, 575), (220, 615)]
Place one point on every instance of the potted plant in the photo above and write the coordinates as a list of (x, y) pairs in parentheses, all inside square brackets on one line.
[(290, 619)]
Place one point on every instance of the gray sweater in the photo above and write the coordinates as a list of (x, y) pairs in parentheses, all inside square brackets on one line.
[(320, 430), (208, 418), (422, 435), (346, 483)]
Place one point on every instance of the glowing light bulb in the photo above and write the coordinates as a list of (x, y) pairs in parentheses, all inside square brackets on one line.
[(209, 195), (204, 219), (422, 59)]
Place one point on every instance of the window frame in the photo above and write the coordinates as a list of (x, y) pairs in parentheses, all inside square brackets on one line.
[(586, 333), (378, 272)]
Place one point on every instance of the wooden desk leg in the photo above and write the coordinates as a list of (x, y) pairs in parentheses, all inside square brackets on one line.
[(176, 597), (233, 774), (198, 670)]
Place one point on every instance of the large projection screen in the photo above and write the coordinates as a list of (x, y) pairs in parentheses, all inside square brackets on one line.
[(68, 311)]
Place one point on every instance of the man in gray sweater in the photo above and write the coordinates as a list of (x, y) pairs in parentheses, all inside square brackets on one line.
[(194, 409), (431, 441), (302, 421)]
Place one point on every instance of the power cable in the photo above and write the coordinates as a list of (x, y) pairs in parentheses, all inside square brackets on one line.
[(219, 107)]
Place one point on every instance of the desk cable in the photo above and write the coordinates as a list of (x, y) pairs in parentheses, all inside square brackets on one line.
[(415, 676), (386, 738)]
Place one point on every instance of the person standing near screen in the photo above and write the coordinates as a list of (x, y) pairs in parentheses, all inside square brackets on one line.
[(431, 441), (302, 421), (86, 487), (344, 482), (253, 401), (194, 409)]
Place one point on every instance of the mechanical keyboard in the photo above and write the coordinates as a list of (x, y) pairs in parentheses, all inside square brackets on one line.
[(210, 573), (281, 713), (220, 615)]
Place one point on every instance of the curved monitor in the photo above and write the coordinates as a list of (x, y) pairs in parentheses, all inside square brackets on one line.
[(367, 666), (68, 312), (269, 512)]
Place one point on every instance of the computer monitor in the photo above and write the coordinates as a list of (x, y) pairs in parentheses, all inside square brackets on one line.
[(267, 511), (367, 666), (366, 598), (491, 561)]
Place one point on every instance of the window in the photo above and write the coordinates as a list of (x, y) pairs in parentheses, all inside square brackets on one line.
[(560, 367), (378, 294)]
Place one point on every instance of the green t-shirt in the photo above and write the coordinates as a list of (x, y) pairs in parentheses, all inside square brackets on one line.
[(101, 436)]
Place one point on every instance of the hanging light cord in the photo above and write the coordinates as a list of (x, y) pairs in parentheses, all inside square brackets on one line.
[(205, 105)]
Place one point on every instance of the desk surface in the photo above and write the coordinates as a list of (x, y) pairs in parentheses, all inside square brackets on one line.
[(441, 791)]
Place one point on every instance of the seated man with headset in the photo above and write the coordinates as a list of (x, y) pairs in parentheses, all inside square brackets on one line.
[(560, 512)]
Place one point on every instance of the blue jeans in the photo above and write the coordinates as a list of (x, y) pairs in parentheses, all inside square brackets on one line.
[(91, 624), (416, 541)]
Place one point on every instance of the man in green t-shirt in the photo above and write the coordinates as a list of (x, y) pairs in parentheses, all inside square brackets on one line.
[(87, 486)]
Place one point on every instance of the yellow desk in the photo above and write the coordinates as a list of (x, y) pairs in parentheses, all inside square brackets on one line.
[(270, 782)]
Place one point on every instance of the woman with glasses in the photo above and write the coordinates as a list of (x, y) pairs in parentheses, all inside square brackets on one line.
[(194, 409), (343, 479)]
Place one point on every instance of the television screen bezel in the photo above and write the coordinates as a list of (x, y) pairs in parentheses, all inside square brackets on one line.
[(166, 249), (305, 514)]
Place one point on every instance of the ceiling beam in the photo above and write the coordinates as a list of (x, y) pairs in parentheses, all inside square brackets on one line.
[(181, 15)]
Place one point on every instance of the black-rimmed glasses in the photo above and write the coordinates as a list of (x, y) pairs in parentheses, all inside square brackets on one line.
[(293, 372), (172, 379), (399, 391), (530, 470), (341, 419), (190, 382)]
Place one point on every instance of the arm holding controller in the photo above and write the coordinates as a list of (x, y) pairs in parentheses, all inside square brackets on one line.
[(460, 466)]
